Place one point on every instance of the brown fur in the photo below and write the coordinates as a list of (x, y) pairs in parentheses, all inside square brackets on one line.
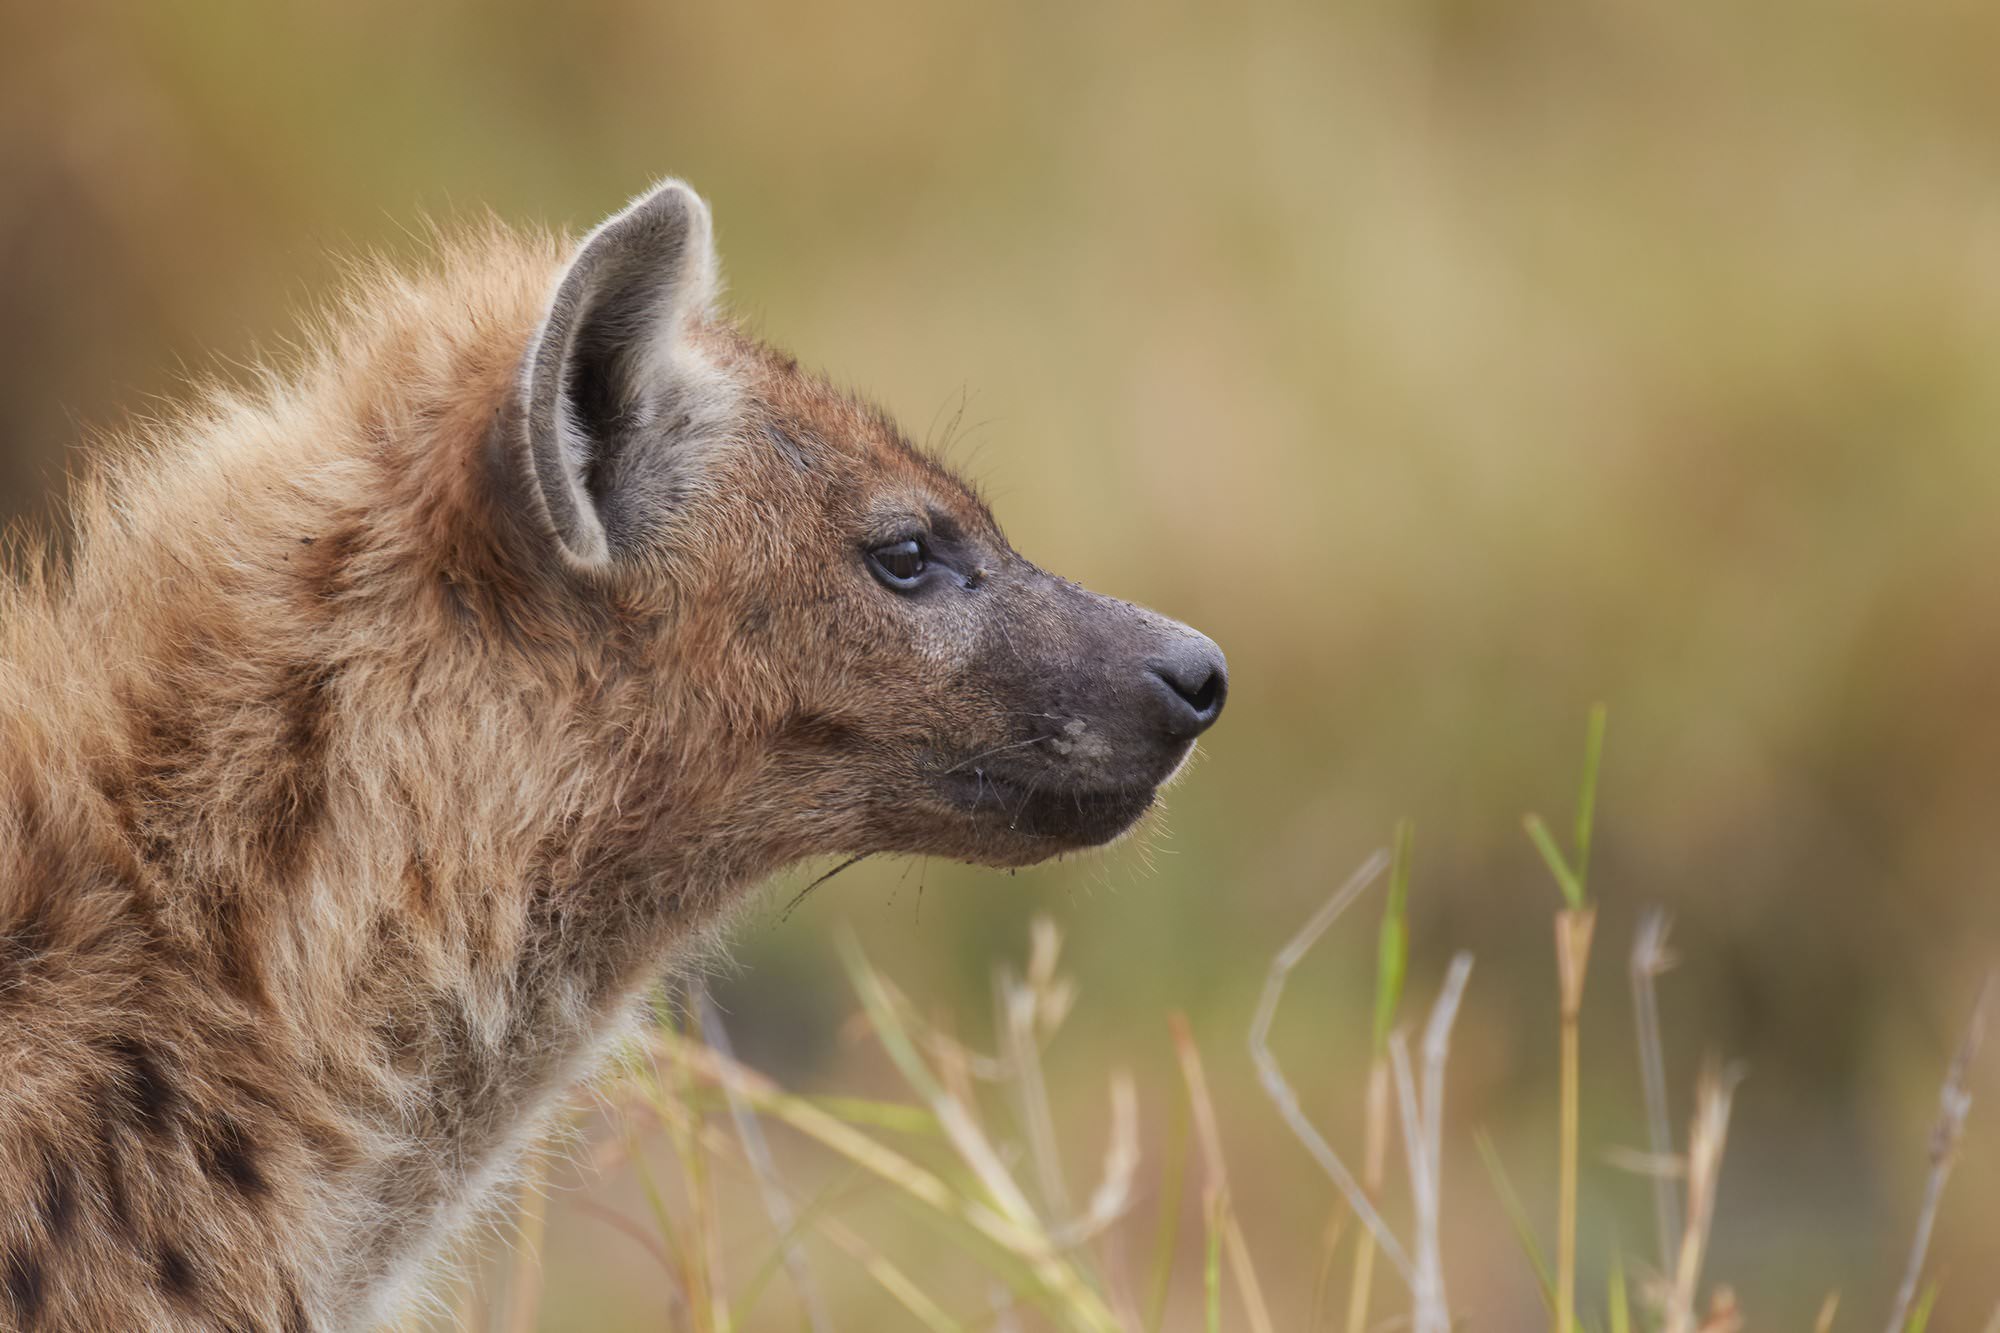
[(342, 818)]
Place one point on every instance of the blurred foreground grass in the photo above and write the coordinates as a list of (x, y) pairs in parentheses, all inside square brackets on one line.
[(973, 1150)]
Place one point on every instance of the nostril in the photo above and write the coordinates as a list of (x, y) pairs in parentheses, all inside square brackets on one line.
[(1204, 696), (1199, 683)]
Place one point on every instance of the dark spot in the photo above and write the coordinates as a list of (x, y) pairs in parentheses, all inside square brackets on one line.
[(111, 1167), (146, 1096), (454, 599), (57, 1200), (22, 944), (21, 1274), (307, 541), (23, 1279), (400, 1041), (296, 794), (176, 1274), (327, 573), (754, 622), (230, 1157), (420, 888), (324, 1137), (235, 953), (148, 803)]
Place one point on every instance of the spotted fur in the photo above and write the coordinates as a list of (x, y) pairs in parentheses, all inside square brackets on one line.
[(392, 725)]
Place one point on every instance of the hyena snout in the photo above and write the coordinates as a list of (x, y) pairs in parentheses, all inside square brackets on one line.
[(1116, 701)]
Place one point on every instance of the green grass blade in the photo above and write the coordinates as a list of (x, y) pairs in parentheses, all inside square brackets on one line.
[(895, 1117), (1392, 950), (1566, 880), (1621, 1309), (888, 1028), (1586, 799), (1920, 1317)]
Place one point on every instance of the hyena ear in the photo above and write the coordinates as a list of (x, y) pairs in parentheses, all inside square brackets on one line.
[(614, 393)]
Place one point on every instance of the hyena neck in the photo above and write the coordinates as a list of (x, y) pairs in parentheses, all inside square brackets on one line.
[(512, 934), (513, 869)]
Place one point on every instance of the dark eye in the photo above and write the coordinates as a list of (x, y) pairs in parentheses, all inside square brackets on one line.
[(900, 564)]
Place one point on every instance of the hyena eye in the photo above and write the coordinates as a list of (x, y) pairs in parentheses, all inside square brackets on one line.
[(900, 564)]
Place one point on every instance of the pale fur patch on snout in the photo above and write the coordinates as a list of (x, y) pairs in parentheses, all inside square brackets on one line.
[(1077, 741)]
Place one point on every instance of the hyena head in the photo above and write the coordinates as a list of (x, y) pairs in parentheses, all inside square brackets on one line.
[(818, 590)]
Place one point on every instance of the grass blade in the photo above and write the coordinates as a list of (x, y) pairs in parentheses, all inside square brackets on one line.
[(1166, 1239), (1954, 1104), (1392, 950), (1586, 798), (1545, 843), (1517, 1218)]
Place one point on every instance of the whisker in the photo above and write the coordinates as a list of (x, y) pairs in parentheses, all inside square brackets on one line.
[(793, 905), (1011, 745), (1014, 824)]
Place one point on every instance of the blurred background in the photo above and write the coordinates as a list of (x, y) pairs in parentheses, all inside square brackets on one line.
[(1454, 365)]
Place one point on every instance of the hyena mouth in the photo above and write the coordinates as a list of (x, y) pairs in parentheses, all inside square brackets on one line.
[(1047, 808)]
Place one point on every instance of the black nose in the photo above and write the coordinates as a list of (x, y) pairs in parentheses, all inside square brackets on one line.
[(1193, 681)]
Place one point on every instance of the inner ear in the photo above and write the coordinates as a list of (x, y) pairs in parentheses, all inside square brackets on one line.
[(613, 390)]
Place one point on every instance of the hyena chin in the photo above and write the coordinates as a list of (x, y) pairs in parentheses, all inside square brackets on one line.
[(387, 731)]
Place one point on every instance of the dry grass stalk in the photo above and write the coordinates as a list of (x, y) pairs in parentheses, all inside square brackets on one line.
[(1650, 959), (1222, 1215), (1724, 1315), (1416, 1150), (1422, 1107), (1330, 1237), (1029, 1244), (1828, 1308), (1020, 1005), (1954, 1103), (1573, 931), (1279, 1089), (1437, 1050), (702, 1254), (872, 1262), (1374, 1163), (757, 1154), (1706, 1136), (956, 1114), (1113, 1194)]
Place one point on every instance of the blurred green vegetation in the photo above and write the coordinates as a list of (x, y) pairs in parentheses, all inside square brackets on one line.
[(1453, 364)]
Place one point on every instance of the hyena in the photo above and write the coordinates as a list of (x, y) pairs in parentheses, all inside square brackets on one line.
[(388, 729)]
